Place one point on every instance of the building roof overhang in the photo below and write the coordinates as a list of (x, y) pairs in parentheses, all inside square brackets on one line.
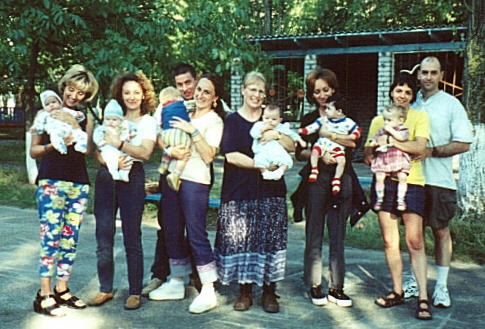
[(396, 41)]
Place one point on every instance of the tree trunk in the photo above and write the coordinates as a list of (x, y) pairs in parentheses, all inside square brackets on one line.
[(471, 183), (475, 62), (268, 11), (30, 85)]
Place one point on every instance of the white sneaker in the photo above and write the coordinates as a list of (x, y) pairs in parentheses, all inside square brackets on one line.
[(410, 288), (171, 290), (154, 284), (441, 296), (206, 301)]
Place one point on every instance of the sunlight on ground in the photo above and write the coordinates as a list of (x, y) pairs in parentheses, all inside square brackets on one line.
[(72, 320)]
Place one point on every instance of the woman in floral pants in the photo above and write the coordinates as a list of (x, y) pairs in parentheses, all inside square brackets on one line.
[(62, 193)]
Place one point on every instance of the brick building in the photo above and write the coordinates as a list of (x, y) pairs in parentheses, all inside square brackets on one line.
[(365, 64)]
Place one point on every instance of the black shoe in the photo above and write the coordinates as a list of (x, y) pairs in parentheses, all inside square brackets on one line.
[(297, 214), (318, 296), (52, 310), (338, 297)]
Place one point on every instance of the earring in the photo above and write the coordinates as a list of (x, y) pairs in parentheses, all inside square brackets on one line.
[(214, 104)]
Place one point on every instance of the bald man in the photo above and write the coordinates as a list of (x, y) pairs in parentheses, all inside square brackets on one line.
[(450, 134)]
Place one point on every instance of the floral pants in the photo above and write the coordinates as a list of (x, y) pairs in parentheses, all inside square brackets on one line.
[(61, 209)]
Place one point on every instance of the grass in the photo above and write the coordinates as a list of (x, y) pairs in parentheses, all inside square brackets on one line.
[(468, 238), (12, 133)]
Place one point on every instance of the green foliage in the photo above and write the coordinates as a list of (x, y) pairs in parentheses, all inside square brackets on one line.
[(40, 39), (363, 15)]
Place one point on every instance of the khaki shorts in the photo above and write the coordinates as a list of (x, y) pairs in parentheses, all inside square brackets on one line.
[(440, 206)]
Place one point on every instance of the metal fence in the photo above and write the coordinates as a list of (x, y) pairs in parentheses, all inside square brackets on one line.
[(12, 116)]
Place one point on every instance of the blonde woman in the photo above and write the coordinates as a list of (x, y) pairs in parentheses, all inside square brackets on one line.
[(252, 222), (62, 195)]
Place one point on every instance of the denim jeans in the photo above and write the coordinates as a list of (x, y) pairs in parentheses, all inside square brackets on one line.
[(187, 210), (129, 197), (335, 209), (160, 267)]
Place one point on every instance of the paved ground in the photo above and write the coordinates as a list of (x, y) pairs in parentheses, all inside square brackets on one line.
[(366, 278)]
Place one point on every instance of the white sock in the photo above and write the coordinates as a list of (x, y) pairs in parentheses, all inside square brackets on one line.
[(442, 275), (208, 289)]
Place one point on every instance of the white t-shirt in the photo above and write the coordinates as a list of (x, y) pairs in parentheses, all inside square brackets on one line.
[(448, 123), (210, 127), (146, 128)]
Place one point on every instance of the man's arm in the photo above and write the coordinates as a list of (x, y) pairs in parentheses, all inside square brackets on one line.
[(444, 151)]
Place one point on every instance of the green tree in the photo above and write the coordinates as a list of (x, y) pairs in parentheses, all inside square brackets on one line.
[(475, 62)]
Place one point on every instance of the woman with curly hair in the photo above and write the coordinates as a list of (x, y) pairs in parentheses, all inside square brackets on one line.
[(134, 92), (62, 195)]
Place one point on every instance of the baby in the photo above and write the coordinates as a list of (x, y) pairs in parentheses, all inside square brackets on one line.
[(172, 106), (271, 152), (390, 161), (114, 121), (337, 123), (57, 129)]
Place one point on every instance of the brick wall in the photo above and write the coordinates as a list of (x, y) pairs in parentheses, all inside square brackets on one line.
[(385, 76), (236, 83), (309, 65)]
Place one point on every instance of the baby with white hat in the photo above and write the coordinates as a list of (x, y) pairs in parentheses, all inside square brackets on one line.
[(56, 129), (114, 121)]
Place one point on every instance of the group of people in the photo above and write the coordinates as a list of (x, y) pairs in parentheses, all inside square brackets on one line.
[(410, 156)]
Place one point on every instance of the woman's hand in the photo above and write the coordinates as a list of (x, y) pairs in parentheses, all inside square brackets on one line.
[(269, 135), (67, 118), (180, 123), (180, 153), (328, 159), (124, 163), (112, 138), (368, 155), (68, 139)]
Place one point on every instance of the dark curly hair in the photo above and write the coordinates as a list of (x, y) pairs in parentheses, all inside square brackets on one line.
[(149, 102), (325, 74)]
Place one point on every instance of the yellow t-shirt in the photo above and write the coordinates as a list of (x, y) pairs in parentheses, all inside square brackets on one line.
[(418, 124)]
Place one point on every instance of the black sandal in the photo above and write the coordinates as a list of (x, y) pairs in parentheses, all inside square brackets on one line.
[(49, 310), (392, 299), (423, 313), (71, 302)]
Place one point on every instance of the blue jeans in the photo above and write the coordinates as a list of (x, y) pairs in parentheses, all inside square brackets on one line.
[(187, 210), (129, 197), (160, 267)]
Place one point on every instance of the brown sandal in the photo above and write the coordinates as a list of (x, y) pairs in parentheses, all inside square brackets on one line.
[(423, 313), (392, 299)]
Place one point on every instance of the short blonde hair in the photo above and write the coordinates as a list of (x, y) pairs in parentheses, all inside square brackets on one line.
[(253, 77), (400, 111), (169, 94), (79, 77)]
